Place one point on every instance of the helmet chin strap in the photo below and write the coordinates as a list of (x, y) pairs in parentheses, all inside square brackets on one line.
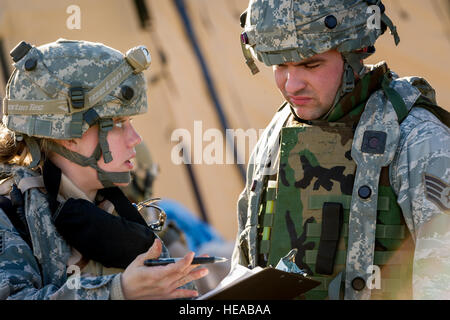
[(347, 85), (108, 179), (352, 65)]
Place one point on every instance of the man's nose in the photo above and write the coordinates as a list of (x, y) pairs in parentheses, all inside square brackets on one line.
[(295, 81)]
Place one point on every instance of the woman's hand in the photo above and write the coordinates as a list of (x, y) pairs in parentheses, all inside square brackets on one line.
[(160, 282)]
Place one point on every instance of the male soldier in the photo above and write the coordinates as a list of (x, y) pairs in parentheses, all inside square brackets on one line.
[(351, 161)]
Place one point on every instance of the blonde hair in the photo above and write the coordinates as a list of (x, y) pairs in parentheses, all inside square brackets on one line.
[(16, 152)]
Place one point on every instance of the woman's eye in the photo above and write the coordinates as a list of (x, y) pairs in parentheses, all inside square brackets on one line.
[(119, 124)]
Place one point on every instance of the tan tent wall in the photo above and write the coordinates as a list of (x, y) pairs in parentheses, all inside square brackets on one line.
[(178, 94)]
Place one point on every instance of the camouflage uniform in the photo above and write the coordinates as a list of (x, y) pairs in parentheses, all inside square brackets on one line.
[(412, 167), (58, 91)]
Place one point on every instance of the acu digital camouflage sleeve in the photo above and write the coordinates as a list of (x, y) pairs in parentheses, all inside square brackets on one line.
[(420, 175), (20, 276)]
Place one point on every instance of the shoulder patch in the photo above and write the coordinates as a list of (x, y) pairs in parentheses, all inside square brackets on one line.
[(438, 192)]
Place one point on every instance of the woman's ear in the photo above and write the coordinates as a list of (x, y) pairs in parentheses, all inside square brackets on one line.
[(71, 145)]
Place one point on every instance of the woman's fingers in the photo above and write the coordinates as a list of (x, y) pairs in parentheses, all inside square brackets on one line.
[(191, 276), (181, 273), (154, 252), (175, 294), (181, 267), (160, 282)]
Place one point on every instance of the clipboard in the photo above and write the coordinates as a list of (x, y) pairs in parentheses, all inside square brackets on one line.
[(267, 284)]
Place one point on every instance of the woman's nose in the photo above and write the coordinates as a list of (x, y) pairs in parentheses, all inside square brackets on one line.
[(133, 136)]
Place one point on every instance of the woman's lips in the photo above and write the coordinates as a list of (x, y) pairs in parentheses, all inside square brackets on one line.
[(299, 101), (129, 164)]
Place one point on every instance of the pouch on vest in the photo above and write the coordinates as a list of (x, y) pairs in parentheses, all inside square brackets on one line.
[(332, 219)]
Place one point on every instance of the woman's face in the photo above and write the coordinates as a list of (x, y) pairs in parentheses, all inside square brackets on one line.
[(122, 139)]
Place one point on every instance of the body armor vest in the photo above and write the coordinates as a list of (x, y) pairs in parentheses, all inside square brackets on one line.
[(308, 208)]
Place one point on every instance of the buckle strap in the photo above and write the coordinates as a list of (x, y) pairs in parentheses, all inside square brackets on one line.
[(395, 98), (77, 97), (105, 126), (34, 150)]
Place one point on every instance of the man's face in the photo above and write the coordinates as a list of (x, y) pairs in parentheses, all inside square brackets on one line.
[(310, 86)]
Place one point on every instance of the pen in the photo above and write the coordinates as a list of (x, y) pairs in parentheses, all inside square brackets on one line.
[(196, 260)]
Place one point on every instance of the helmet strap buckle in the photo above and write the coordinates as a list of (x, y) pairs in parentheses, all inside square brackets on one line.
[(77, 97), (105, 126)]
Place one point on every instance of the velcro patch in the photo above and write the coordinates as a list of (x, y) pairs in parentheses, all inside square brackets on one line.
[(438, 192)]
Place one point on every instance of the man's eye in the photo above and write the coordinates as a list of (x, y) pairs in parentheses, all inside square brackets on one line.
[(312, 65)]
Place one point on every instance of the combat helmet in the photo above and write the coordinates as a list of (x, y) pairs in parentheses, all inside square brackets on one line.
[(280, 31), (59, 90)]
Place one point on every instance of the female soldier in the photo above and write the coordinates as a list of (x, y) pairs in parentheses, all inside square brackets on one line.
[(66, 230)]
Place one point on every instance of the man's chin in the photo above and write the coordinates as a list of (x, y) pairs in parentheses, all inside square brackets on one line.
[(304, 114), (308, 112)]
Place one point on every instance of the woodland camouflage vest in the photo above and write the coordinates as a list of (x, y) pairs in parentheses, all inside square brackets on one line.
[(313, 197)]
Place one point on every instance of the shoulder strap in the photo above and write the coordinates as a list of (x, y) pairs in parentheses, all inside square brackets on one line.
[(395, 98), (424, 97), (31, 182), (440, 113), (374, 146)]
